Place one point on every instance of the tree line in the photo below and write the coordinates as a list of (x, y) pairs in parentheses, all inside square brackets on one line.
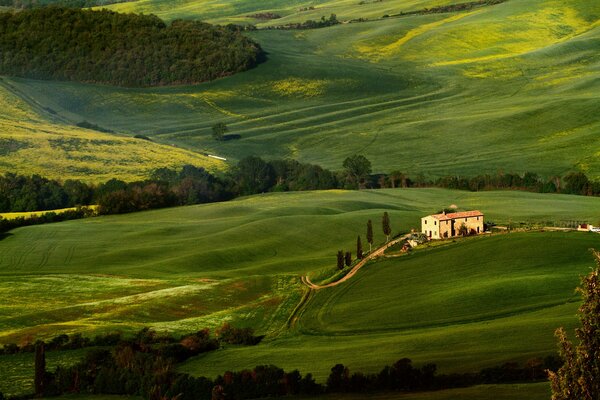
[(59, 43), (252, 175), (225, 334), (137, 368)]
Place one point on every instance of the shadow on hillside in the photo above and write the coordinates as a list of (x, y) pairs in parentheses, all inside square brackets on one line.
[(227, 138), (5, 235)]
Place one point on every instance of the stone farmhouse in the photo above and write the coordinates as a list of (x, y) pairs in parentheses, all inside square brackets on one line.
[(440, 226)]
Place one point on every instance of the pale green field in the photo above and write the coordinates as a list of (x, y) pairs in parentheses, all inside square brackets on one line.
[(511, 87), (34, 140)]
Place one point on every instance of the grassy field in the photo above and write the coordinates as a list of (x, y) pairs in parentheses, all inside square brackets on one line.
[(36, 140), (242, 12), (510, 87), (186, 268), (464, 307)]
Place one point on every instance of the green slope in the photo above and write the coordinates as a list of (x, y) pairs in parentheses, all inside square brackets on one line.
[(465, 306), (185, 268), (36, 140), (508, 87)]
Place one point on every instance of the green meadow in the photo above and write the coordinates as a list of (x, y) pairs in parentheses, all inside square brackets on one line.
[(510, 87), (465, 305)]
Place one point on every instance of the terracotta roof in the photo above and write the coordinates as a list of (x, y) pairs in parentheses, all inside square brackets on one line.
[(464, 214)]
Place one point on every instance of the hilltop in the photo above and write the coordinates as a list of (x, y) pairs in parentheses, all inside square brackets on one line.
[(509, 87)]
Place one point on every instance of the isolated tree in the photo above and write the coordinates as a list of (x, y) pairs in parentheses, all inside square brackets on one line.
[(357, 168), (219, 130), (370, 235), (579, 377), (463, 230), (359, 249), (340, 259), (385, 224), (40, 369), (348, 259)]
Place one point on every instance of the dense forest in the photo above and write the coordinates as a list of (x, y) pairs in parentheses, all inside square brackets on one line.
[(120, 49)]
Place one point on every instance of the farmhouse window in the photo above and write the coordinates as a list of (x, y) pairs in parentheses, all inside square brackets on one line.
[(435, 222)]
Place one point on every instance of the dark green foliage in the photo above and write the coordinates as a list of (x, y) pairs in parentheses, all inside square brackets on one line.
[(579, 377), (231, 335), (340, 259), (577, 183), (254, 175), (119, 49), (359, 249), (358, 168), (370, 234), (219, 130), (40, 369), (348, 259), (385, 225), (49, 217), (310, 24), (94, 127)]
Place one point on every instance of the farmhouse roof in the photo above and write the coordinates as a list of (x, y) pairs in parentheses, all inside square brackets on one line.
[(464, 214)]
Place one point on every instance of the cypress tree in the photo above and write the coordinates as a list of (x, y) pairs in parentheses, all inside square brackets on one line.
[(579, 377), (370, 235), (348, 259), (387, 229), (340, 259), (359, 250), (40, 369)]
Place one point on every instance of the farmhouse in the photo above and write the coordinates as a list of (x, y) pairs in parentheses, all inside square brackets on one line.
[(439, 226)]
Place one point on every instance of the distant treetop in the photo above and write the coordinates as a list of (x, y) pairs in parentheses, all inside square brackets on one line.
[(57, 43)]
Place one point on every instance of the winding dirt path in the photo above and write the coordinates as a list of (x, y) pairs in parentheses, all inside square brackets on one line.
[(375, 254)]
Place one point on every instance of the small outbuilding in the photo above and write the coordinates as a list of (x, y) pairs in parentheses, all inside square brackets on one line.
[(447, 225)]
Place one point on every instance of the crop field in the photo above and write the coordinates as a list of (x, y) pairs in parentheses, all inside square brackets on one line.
[(242, 12), (36, 140), (511, 87), (186, 268)]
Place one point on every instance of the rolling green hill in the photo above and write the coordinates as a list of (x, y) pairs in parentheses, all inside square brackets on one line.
[(508, 87), (185, 268), (35, 140)]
